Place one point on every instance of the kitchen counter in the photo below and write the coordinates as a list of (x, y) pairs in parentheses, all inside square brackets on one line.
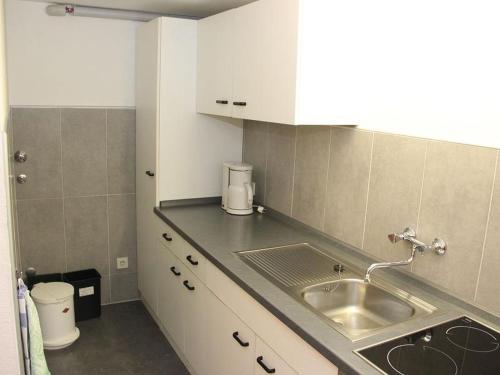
[(218, 236)]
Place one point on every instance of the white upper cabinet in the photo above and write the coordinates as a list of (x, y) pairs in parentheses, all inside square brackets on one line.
[(246, 54), (282, 68), (215, 65)]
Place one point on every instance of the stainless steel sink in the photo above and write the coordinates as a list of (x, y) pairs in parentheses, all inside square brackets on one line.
[(335, 292)]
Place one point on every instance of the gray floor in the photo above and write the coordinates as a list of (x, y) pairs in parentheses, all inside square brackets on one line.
[(124, 340)]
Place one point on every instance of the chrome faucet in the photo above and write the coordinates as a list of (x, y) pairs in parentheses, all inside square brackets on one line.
[(438, 246)]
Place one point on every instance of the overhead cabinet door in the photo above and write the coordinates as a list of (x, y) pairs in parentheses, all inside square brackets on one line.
[(215, 72)]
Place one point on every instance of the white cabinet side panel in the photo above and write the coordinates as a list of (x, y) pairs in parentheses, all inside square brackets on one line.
[(192, 146)]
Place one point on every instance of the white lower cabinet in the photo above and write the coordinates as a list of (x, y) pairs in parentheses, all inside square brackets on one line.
[(268, 362), (170, 306), (195, 321), (231, 344), (218, 328)]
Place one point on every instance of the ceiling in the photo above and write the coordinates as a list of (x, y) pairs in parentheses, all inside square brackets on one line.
[(189, 8)]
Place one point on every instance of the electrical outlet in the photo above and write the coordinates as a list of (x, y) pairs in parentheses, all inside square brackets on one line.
[(121, 263)]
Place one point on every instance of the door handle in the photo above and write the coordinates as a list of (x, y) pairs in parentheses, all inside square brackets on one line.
[(241, 104), (176, 273), (221, 101), (186, 284), (166, 237), (191, 260), (150, 174), (260, 361), (237, 338)]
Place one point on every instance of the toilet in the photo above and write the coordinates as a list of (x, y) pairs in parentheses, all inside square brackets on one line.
[(54, 302)]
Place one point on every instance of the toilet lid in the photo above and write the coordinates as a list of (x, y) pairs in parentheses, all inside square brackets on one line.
[(52, 292)]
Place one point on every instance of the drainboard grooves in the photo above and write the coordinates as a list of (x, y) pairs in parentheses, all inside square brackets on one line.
[(292, 265)]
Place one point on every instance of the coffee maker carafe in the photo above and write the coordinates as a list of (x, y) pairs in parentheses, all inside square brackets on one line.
[(237, 188)]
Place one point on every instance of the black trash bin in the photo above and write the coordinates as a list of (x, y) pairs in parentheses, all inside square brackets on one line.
[(47, 278), (87, 297)]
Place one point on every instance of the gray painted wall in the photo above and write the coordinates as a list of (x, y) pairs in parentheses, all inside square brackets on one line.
[(77, 209), (358, 186)]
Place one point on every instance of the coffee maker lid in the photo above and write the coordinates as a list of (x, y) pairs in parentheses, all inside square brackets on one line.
[(238, 166)]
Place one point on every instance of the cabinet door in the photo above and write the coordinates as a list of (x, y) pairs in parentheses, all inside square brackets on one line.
[(280, 20), (247, 58), (146, 129), (267, 360), (214, 86), (231, 344), (195, 320), (170, 306)]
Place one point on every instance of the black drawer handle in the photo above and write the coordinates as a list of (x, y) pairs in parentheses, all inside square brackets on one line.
[(260, 361), (186, 284), (176, 273), (167, 237), (150, 174), (237, 338), (191, 260), (221, 101), (241, 104)]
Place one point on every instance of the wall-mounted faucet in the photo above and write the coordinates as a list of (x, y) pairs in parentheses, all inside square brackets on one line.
[(438, 246)]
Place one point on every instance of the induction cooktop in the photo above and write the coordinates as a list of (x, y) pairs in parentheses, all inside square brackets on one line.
[(460, 347)]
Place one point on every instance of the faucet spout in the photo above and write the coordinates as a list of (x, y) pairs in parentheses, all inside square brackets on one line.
[(375, 266)]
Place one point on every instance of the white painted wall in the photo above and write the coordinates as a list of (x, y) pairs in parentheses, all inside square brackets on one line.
[(9, 353), (68, 61)]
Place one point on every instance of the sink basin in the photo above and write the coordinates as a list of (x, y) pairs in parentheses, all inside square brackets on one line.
[(335, 291), (357, 306)]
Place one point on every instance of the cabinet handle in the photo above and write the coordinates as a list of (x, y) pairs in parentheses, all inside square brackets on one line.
[(241, 104), (237, 338), (191, 260), (176, 273), (150, 174), (221, 101), (186, 284), (167, 237), (260, 361)]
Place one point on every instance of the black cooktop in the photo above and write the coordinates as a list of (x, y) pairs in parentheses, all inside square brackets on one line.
[(459, 347)]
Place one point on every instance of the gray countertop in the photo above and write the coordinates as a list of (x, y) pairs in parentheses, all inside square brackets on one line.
[(218, 236)]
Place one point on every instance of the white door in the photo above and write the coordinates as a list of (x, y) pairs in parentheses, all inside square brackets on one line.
[(267, 361), (146, 149), (247, 59), (214, 86), (280, 20), (195, 321), (231, 344), (170, 295)]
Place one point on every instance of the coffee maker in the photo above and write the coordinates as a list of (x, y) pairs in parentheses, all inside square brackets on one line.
[(237, 188)]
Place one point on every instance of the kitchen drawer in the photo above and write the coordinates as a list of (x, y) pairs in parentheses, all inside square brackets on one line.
[(268, 362), (191, 257)]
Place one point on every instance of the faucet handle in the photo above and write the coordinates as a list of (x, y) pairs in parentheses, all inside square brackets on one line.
[(439, 246), (394, 237), (407, 234)]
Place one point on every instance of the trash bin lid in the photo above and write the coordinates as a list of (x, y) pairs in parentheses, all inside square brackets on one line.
[(52, 292)]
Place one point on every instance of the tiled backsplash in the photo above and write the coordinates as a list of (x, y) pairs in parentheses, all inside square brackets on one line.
[(358, 186), (77, 208)]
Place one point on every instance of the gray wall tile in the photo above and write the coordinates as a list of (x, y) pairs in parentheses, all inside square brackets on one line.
[(41, 235), (280, 165), (87, 233), (122, 231), (455, 202), (488, 288), (37, 131), (394, 196), (311, 168), (84, 151), (350, 158), (255, 146), (124, 287), (105, 289), (121, 150)]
